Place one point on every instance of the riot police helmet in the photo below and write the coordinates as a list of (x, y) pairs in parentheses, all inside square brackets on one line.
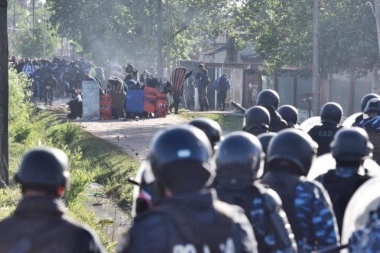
[(332, 113), (238, 160), (351, 145), (268, 98), (373, 105), (210, 127), (44, 169), (264, 139), (180, 158), (256, 117), (366, 98), (289, 113), (294, 148)]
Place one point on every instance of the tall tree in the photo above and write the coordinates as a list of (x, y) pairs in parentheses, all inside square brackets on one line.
[(127, 29), (4, 97)]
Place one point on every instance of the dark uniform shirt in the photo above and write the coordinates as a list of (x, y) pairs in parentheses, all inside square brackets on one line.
[(276, 122), (308, 209), (193, 222), (323, 135), (371, 125), (263, 208), (39, 225), (341, 183)]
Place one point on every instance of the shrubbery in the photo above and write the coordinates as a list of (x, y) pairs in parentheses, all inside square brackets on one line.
[(90, 157)]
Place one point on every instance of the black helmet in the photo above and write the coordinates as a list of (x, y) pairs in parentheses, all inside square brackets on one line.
[(293, 146), (367, 98), (373, 105), (268, 98), (180, 158), (289, 113), (264, 139), (256, 118), (331, 113), (210, 127), (351, 145), (238, 159), (44, 167)]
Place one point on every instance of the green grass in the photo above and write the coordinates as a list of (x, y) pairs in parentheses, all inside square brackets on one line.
[(228, 121)]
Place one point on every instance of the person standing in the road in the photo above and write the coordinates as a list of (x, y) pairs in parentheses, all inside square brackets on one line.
[(202, 81), (39, 223), (48, 87), (222, 85)]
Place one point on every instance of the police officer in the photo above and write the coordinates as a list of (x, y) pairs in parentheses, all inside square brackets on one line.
[(270, 100), (306, 203), (238, 160), (189, 218), (290, 114), (147, 196), (39, 223), (211, 128), (264, 139), (372, 123), (331, 115), (363, 104), (349, 148), (256, 120)]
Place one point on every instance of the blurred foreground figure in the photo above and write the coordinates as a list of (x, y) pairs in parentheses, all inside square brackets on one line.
[(189, 218), (238, 160), (306, 203), (39, 223)]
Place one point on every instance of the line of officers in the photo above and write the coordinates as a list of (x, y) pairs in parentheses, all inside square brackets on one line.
[(200, 191)]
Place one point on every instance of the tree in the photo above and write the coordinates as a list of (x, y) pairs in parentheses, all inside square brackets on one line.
[(4, 98), (282, 32), (127, 30)]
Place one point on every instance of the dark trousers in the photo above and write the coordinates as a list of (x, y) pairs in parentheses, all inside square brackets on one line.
[(221, 100), (175, 105), (203, 101)]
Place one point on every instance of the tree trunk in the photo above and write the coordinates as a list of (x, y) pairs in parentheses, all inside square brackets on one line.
[(351, 95), (324, 89), (4, 95), (160, 61)]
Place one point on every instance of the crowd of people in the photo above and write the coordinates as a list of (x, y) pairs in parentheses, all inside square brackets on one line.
[(203, 191), (61, 78)]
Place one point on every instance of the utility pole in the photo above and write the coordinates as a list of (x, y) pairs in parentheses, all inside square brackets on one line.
[(33, 12), (160, 61), (316, 91), (4, 95)]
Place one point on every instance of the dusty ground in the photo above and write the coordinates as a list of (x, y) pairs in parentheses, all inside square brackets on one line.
[(133, 136)]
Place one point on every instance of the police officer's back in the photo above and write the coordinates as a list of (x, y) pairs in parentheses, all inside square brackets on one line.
[(349, 148), (363, 104), (331, 115), (290, 114), (306, 203), (189, 218), (372, 123), (39, 223), (270, 100), (148, 195), (238, 160), (256, 120)]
